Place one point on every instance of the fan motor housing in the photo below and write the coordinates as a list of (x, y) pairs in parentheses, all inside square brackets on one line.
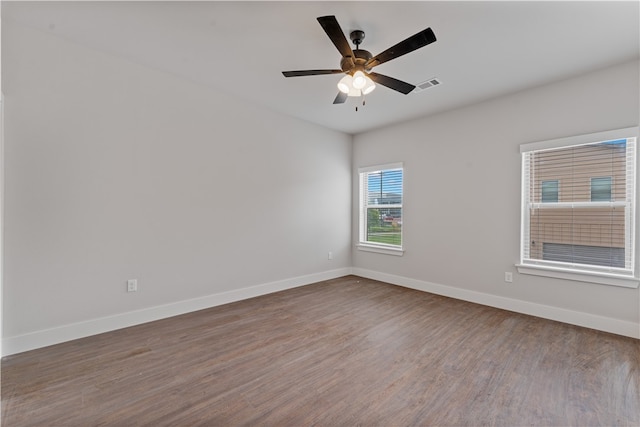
[(351, 65)]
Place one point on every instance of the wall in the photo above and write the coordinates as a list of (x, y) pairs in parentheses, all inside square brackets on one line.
[(115, 171), (461, 215), (1, 186)]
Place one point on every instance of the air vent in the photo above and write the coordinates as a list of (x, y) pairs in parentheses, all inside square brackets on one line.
[(427, 84)]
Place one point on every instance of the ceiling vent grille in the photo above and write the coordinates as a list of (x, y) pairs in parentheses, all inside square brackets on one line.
[(427, 84)]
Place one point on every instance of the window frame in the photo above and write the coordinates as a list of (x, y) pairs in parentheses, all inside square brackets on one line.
[(583, 273), (610, 188), (363, 244), (557, 192)]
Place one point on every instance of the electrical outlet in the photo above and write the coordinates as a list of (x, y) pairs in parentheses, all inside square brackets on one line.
[(330, 256), (508, 277), (132, 285)]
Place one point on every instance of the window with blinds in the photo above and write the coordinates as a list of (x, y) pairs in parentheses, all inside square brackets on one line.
[(578, 204), (381, 206)]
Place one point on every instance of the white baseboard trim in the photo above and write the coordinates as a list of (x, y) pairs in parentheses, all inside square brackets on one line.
[(601, 323), (47, 337)]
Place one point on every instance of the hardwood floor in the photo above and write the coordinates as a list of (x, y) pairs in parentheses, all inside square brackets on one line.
[(349, 351)]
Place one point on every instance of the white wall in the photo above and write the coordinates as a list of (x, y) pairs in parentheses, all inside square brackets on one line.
[(116, 171), (462, 197)]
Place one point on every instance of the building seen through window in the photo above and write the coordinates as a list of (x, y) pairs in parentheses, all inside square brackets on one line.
[(549, 191), (578, 204)]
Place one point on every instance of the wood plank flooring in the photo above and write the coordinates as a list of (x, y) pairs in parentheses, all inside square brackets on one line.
[(345, 352)]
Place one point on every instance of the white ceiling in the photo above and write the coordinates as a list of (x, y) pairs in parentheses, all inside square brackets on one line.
[(484, 49)]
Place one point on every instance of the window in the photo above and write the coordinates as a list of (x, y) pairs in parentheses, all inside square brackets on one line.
[(588, 232), (381, 208), (549, 191), (601, 189), (595, 255)]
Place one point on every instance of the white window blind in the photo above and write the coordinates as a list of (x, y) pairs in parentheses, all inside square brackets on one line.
[(381, 193), (589, 225)]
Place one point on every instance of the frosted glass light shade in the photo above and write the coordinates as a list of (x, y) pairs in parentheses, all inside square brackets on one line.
[(344, 85), (368, 87), (359, 80)]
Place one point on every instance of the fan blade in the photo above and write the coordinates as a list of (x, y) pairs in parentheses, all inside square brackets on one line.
[(414, 42), (340, 98), (333, 30), (392, 83), (310, 72)]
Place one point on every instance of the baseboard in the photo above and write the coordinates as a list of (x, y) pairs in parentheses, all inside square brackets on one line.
[(601, 323), (47, 337), (43, 338)]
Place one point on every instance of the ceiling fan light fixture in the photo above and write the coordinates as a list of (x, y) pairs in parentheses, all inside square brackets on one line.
[(355, 92), (368, 87), (359, 80), (344, 85)]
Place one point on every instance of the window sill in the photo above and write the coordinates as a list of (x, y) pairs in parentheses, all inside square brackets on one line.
[(580, 276), (380, 249)]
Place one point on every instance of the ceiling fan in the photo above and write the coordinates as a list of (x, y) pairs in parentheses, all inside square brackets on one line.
[(357, 64)]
